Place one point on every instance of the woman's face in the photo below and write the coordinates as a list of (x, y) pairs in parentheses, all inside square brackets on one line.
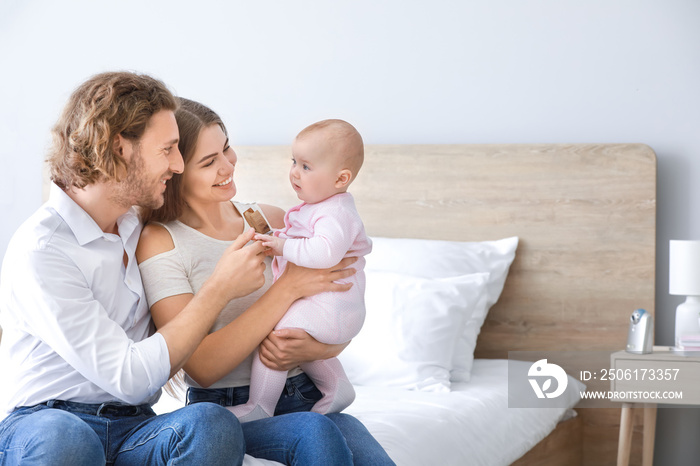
[(208, 175)]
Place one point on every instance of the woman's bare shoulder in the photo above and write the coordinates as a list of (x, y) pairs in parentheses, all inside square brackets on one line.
[(154, 240), (274, 215)]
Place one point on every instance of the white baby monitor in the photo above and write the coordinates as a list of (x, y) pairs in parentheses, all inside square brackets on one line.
[(640, 336)]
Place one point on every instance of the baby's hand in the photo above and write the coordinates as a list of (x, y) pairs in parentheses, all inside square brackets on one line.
[(275, 243)]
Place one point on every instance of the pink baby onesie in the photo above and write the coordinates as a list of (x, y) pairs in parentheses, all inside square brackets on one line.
[(317, 236)]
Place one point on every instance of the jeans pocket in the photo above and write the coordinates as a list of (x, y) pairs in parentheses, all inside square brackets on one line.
[(306, 391), (300, 394)]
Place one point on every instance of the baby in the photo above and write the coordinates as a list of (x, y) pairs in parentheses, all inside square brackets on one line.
[(318, 233)]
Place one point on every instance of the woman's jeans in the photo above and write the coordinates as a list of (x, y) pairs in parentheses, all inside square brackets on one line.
[(69, 433), (300, 437)]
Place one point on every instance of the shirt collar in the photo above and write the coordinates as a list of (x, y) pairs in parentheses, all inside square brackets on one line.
[(82, 224)]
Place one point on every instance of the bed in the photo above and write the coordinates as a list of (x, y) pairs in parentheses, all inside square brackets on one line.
[(569, 233), (584, 216)]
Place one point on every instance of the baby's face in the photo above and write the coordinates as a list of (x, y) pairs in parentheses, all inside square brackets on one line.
[(315, 169)]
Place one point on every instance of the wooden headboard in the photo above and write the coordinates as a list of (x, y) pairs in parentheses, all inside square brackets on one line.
[(585, 215)]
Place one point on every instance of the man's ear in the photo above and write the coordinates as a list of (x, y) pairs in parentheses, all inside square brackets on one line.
[(344, 178), (122, 147)]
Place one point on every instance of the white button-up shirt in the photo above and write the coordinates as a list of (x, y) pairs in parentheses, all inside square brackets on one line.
[(76, 325)]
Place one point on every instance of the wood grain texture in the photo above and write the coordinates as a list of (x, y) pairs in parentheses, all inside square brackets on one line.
[(562, 446), (585, 215)]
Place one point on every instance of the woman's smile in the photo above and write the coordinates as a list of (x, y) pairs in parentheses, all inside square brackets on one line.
[(226, 182)]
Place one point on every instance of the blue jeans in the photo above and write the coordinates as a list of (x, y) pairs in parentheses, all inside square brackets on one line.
[(69, 433), (297, 436)]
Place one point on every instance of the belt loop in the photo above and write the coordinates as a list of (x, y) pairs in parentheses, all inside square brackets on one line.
[(98, 413), (230, 396)]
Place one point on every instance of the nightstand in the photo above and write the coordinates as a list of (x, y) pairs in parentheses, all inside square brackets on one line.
[(646, 380)]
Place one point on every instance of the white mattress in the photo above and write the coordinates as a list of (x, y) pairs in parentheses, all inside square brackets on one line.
[(472, 424)]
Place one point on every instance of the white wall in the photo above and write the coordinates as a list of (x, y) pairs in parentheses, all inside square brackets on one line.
[(470, 71)]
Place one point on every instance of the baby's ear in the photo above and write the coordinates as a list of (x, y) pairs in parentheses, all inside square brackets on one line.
[(344, 178)]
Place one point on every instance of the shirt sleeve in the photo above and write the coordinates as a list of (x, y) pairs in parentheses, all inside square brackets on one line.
[(60, 308), (331, 241), (164, 275)]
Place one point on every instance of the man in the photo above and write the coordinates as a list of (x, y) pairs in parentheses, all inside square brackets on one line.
[(81, 362)]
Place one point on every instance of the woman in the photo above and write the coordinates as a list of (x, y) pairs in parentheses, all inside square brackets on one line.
[(196, 223)]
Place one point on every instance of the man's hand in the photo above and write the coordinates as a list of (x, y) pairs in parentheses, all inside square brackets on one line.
[(240, 271)]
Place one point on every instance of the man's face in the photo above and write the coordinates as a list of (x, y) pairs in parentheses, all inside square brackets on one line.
[(151, 162)]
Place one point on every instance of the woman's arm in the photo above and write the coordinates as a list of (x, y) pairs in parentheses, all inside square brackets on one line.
[(221, 351), (240, 264), (274, 215), (225, 349)]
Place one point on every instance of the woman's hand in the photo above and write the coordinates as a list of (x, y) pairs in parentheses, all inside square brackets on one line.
[(286, 348), (305, 282)]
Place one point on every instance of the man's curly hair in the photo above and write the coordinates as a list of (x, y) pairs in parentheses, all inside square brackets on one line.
[(106, 105)]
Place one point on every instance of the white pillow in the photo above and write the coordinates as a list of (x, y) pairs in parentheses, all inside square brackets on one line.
[(411, 329), (443, 259)]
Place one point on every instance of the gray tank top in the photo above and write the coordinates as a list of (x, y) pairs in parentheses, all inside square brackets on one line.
[(185, 268)]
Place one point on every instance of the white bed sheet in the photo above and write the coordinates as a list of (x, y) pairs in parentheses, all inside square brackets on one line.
[(472, 424)]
